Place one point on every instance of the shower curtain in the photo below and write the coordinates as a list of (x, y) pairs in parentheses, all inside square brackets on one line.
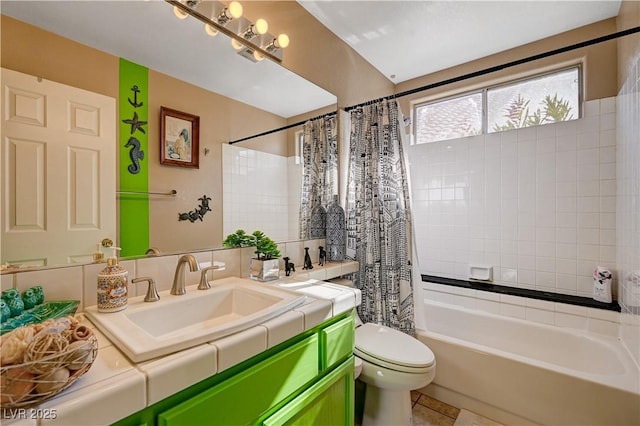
[(319, 167), (378, 216)]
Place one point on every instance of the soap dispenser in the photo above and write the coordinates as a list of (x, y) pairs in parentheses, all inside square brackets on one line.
[(112, 285)]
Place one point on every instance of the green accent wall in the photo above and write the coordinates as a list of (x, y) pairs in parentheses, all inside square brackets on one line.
[(134, 176)]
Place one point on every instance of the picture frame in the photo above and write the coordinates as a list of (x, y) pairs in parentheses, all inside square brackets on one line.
[(179, 138)]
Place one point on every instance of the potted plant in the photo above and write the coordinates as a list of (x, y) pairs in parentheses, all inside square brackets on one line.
[(266, 265)]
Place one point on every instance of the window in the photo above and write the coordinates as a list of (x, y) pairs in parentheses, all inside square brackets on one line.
[(449, 119), (539, 100)]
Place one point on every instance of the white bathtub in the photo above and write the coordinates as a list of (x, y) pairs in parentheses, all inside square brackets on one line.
[(519, 372)]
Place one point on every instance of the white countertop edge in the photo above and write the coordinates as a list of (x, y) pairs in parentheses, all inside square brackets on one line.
[(127, 391)]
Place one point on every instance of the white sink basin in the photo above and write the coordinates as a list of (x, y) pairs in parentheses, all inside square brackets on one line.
[(147, 330)]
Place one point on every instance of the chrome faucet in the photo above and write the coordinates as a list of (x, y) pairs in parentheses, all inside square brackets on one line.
[(179, 278)]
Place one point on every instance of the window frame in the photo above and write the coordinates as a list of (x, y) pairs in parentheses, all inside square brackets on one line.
[(484, 89)]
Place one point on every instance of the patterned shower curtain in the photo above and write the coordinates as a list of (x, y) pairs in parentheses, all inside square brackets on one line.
[(378, 216), (319, 167)]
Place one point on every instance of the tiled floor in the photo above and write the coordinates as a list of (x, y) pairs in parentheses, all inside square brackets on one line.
[(431, 412), (428, 411)]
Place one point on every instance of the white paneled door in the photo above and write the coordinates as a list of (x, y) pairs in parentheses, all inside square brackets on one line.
[(58, 164)]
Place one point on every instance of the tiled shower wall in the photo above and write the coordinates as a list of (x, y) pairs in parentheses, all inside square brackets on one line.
[(628, 208), (256, 192), (536, 204)]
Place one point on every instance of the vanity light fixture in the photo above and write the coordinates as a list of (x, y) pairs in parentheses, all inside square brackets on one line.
[(209, 29), (233, 11), (250, 39), (180, 14), (226, 15), (282, 41), (252, 31), (260, 27), (236, 44)]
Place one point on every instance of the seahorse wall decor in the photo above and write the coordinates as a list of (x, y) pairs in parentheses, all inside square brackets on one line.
[(198, 213), (135, 153)]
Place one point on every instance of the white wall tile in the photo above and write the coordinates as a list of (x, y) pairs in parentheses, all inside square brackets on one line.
[(539, 316), (608, 328), (608, 105), (592, 108), (557, 196), (587, 140), (6, 281), (570, 321), (514, 311), (57, 283)]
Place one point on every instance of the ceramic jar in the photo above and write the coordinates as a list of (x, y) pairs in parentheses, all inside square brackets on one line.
[(336, 237), (318, 223)]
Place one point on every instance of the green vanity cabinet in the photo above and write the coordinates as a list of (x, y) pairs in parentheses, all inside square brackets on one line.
[(310, 376), (257, 389), (327, 403)]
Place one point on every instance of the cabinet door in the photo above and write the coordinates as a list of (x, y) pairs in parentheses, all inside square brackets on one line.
[(243, 398), (327, 403), (337, 342)]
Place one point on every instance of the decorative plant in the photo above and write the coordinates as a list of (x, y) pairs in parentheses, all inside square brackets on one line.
[(239, 239), (517, 113), (266, 248)]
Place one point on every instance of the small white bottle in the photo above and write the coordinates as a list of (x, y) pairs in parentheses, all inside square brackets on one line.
[(602, 284), (113, 285)]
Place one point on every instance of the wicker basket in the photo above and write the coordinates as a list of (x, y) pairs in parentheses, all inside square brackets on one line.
[(46, 370)]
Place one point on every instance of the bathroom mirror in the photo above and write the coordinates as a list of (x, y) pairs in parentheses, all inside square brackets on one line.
[(149, 34)]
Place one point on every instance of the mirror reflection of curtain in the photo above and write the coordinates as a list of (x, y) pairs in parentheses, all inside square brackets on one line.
[(319, 167), (378, 216)]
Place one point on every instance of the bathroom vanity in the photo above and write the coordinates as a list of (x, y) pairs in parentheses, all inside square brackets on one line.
[(310, 376), (296, 368)]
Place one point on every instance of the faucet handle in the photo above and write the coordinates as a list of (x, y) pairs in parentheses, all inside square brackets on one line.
[(204, 281), (152, 290)]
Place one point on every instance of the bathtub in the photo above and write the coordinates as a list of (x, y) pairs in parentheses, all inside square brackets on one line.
[(520, 372)]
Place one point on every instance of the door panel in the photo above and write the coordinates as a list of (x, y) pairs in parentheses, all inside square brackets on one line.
[(58, 171)]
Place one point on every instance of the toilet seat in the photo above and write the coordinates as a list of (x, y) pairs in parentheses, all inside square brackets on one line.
[(389, 348)]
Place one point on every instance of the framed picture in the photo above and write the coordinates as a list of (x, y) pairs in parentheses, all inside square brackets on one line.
[(179, 138)]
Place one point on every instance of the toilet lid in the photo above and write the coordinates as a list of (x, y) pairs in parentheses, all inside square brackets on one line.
[(378, 342)]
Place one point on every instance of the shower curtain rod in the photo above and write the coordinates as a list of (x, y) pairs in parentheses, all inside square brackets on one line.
[(268, 132), (489, 70)]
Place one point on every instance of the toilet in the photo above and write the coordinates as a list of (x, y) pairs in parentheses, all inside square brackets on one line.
[(391, 364)]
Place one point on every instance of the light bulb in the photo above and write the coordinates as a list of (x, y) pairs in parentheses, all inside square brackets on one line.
[(261, 26), (209, 29), (235, 9), (283, 40), (236, 44), (180, 14), (258, 56)]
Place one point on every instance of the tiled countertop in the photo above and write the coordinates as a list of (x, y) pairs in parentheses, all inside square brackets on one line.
[(115, 387)]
